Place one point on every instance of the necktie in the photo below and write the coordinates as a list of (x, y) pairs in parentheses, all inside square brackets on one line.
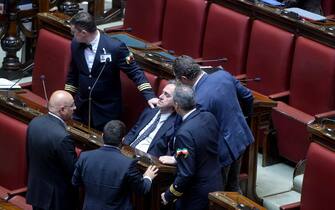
[(147, 132)]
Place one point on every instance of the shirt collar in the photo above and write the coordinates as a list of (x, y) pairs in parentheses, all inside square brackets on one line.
[(188, 114), (95, 42), (198, 79), (52, 114)]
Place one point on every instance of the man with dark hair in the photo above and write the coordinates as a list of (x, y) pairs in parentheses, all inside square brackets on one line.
[(93, 54), (51, 157), (108, 176), (198, 169), (154, 131), (220, 94)]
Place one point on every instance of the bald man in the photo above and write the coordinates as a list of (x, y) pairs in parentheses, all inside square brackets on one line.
[(51, 157)]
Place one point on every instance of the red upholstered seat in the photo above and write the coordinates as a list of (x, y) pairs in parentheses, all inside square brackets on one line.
[(52, 59), (328, 7), (226, 35), (132, 99), (183, 26), (269, 57), (145, 17), (13, 170), (311, 93)]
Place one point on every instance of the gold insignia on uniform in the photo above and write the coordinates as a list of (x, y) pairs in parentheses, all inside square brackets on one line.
[(144, 86), (70, 88), (130, 58), (175, 192)]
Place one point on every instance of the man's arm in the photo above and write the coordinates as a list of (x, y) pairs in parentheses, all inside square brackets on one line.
[(71, 84), (127, 64), (76, 178), (185, 156), (67, 155), (245, 97)]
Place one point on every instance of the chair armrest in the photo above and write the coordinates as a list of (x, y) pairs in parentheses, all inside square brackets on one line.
[(26, 85), (158, 44), (241, 76), (293, 113), (281, 96), (291, 206), (325, 114), (21, 191)]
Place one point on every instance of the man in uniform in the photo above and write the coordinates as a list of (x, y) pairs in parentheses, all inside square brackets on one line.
[(94, 75)]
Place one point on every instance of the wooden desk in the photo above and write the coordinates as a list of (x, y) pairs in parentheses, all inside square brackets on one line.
[(4, 205), (323, 132), (231, 201)]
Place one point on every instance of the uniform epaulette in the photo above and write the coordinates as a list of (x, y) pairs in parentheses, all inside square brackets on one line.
[(70, 88), (144, 86)]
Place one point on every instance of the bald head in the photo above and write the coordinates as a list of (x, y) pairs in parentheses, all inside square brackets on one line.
[(61, 103)]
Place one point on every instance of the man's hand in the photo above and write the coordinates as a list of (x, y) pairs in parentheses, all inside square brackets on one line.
[(153, 102), (163, 199), (151, 172), (168, 160)]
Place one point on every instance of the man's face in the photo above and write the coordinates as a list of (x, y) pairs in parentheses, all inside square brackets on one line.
[(165, 101), (79, 34), (67, 110)]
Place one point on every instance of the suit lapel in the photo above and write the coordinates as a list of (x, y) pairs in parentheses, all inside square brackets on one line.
[(99, 51), (201, 81)]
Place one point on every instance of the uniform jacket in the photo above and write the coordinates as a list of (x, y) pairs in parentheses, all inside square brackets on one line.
[(106, 95), (198, 169), (220, 93), (108, 177), (163, 139), (51, 159)]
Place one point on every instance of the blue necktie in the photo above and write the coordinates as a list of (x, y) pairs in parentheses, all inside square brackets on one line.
[(147, 132)]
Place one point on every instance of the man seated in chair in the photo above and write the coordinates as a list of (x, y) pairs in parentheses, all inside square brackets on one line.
[(154, 130)]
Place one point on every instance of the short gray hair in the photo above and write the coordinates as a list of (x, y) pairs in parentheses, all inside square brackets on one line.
[(184, 97), (185, 66)]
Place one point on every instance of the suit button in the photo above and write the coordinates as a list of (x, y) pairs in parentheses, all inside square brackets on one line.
[(90, 76), (89, 87)]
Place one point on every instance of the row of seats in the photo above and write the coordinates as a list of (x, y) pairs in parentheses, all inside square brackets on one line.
[(293, 69)]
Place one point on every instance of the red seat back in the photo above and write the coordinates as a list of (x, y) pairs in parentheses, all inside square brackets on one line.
[(13, 170), (269, 58), (52, 59), (328, 7), (183, 26), (226, 35), (319, 182), (145, 17), (313, 77), (132, 99)]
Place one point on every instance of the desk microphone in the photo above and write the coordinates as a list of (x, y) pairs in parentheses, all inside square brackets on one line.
[(42, 77), (212, 60), (256, 79), (110, 30), (90, 93), (11, 99)]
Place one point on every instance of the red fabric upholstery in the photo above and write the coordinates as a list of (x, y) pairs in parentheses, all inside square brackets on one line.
[(145, 17), (52, 59), (311, 92), (132, 99), (269, 58), (319, 182), (13, 170), (226, 35), (328, 7), (313, 73), (292, 135), (183, 26)]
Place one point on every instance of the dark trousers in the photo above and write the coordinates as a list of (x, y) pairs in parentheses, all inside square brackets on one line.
[(231, 176)]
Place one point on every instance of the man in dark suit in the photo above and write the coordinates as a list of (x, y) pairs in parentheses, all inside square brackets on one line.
[(95, 53), (154, 130), (51, 157), (198, 169), (108, 176), (220, 94)]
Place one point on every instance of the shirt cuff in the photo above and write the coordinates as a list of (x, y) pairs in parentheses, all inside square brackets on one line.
[(147, 177)]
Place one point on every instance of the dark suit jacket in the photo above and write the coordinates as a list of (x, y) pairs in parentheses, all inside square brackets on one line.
[(108, 177), (220, 94), (198, 173), (51, 158), (161, 142), (106, 96)]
